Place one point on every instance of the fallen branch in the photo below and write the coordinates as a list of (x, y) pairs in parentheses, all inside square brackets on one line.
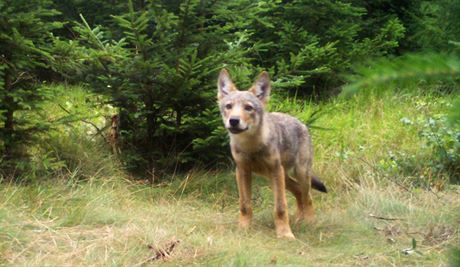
[(384, 218)]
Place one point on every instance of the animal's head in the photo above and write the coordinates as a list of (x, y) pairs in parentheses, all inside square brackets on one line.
[(242, 111)]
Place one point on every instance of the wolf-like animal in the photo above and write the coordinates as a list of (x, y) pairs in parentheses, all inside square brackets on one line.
[(274, 145)]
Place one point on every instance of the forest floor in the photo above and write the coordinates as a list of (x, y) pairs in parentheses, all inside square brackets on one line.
[(121, 223), (385, 207)]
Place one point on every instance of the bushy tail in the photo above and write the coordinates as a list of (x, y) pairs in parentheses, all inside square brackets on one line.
[(317, 184)]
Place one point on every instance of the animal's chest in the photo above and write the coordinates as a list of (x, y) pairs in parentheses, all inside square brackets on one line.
[(260, 165), (263, 162)]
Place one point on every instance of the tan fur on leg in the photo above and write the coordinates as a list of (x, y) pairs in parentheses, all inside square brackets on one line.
[(243, 179)]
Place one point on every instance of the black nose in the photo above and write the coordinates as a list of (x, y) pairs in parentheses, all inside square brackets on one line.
[(234, 122)]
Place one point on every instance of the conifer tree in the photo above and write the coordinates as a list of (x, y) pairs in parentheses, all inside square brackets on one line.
[(25, 31), (161, 76), (158, 64)]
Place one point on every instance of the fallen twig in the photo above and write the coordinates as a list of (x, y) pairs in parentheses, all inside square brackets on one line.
[(384, 218)]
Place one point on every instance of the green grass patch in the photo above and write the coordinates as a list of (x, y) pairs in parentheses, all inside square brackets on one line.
[(385, 195)]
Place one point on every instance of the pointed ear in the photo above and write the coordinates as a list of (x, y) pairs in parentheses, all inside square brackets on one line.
[(261, 88), (224, 84)]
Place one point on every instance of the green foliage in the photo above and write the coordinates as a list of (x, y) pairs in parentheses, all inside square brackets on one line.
[(445, 142), (156, 62), (441, 146), (454, 115), (410, 68), (163, 84), (76, 158), (96, 12), (74, 142), (26, 52), (434, 25), (161, 71), (304, 49), (454, 259)]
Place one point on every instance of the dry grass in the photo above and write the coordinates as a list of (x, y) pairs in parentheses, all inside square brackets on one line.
[(118, 223)]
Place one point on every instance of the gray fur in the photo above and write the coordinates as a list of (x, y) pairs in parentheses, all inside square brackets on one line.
[(274, 145)]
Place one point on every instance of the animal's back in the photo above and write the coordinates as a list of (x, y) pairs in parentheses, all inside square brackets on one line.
[(292, 135)]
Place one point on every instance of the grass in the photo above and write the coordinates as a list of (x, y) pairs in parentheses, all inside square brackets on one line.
[(371, 216), (115, 222)]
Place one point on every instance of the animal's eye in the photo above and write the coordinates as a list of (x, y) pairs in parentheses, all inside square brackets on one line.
[(228, 106), (248, 108)]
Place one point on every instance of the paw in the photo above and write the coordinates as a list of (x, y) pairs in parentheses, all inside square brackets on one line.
[(307, 216), (304, 218), (284, 232), (244, 223), (286, 235)]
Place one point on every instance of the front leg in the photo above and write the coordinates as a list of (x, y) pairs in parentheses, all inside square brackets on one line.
[(283, 230), (243, 179)]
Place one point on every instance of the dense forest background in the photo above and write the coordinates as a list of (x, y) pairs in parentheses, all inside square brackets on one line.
[(154, 64), (113, 152)]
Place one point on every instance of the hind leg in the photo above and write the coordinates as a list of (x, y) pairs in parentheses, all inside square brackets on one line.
[(304, 202), (303, 175), (306, 210)]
